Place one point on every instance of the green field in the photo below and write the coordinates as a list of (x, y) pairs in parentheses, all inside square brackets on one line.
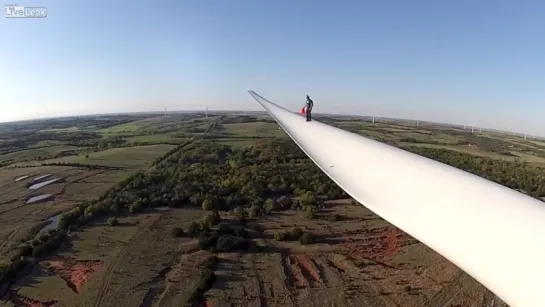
[(255, 129), (156, 138), (37, 153)]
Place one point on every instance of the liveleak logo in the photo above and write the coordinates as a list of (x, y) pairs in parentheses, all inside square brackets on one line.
[(17, 11)]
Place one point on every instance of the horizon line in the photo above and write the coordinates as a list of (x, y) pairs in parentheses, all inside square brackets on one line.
[(265, 113)]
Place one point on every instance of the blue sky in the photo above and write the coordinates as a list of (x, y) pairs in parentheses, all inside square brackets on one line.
[(467, 62)]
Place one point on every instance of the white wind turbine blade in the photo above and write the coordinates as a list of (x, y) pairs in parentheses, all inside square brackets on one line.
[(490, 231)]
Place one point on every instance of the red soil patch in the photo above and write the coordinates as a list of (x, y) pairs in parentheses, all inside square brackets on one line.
[(392, 244), (74, 272), (295, 271), (307, 265), (21, 300), (381, 244)]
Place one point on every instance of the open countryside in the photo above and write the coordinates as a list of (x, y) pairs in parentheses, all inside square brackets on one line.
[(222, 210)]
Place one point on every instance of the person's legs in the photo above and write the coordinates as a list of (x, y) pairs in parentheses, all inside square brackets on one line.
[(309, 114)]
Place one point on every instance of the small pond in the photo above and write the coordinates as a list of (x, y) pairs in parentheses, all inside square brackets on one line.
[(41, 177), (43, 184), (38, 198)]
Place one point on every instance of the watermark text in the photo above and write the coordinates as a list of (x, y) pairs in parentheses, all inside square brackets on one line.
[(18, 11)]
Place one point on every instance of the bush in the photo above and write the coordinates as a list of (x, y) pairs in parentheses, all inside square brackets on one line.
[(207, 241), (225, 229), (241, 232), (213, 219), (255, 211), (239, 211), (205, 281), (227, 243), (296, 233), (112, 221), (307, 238), (135, 207), (207, 205), (44, 238), (282, 236), (194, 228), (35, 243), (284, 203), (177, 232), (270, 206), (334, 218), (308, 199), (25, 250)]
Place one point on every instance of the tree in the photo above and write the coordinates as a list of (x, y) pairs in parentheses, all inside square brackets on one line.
[(212, 219), (281, 236), (239, 211), (308, 199), (307, 238), (284, 202), (207, 205), (296, 233), (270, 206), (112, 221), (25, 250), (177, 232), (255, 211), (136, 207), (193, 228)]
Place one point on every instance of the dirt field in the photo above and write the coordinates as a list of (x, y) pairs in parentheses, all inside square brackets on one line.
[(357, 261), (114, 266), (362, 261)]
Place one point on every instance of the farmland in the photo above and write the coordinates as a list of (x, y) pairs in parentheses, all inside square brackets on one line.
[(183, 210)]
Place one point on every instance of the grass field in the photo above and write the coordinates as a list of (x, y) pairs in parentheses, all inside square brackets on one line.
[(255, 129), (68, 129), (35, 153), (21, 221), (359, 260), (129, 127), (155, 138), (131, 157)]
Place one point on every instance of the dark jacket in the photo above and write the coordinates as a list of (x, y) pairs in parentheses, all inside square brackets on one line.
[(310, 103)]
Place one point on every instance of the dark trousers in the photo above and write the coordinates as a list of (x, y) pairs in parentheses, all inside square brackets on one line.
[(309, 114)]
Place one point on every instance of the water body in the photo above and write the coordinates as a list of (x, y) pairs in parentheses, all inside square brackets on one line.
[(43, 184), (21, 178), (42, 177), (38, 198), (53, 223)]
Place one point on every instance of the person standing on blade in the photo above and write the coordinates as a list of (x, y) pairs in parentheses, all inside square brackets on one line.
[(309, 105)]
